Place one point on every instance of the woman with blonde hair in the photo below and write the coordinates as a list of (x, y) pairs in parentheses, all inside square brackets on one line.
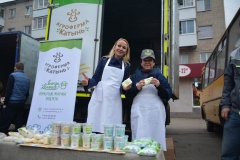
[(105, 106)]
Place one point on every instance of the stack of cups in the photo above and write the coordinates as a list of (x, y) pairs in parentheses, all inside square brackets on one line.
[(87, 135), (54, 138), (65, 133), (119, 139), (76, 135), (108, 137)]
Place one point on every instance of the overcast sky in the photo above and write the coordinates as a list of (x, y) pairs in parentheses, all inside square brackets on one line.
[(231, 7), (1, 1)]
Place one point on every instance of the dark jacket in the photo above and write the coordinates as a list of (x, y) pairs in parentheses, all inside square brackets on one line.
[(17, 90), (231, 89), (164, 89)]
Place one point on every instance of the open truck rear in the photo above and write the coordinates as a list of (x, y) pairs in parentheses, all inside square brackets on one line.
[(145, 24)]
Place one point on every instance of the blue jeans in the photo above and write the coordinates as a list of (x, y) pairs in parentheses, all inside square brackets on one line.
[(231, 138)]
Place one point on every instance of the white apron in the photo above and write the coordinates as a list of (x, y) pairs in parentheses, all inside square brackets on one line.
[(148, 116), (105, 106)]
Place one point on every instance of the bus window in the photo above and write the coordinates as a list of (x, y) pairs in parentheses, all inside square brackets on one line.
[(221, 58), (234, 34), (206, 75), (212, 67)]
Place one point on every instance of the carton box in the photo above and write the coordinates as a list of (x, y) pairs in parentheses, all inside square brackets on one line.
[(170, 153)]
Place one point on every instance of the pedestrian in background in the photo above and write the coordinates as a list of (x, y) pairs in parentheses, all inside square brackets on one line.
[(148, 113), (16, 94), (105, 106), (230, 105)]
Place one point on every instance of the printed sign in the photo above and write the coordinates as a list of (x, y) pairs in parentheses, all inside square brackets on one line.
[(184, 70), (79, 19), (56, 84)]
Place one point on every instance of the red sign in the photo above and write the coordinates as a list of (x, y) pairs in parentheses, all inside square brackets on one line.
[(190, 70)]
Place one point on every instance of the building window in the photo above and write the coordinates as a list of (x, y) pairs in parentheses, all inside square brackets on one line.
[(186, 3), (39, 4), (203, 5), (11, 29), (204, 57), (2, 13), (205, 32), (183, 59), (12, 13), (1, 28), (27, 30), (28, 10), (39, 23), (186, 27)]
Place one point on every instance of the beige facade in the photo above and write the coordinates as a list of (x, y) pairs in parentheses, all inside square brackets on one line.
[(21, 18)]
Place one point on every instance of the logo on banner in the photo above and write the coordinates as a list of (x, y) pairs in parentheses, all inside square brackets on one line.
[(184, 70), (72, 27)]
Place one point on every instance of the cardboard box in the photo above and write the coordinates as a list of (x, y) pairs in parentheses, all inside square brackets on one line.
[(170, 153)]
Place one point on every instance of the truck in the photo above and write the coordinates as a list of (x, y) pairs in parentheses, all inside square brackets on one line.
[(16, 47), (145, 24)]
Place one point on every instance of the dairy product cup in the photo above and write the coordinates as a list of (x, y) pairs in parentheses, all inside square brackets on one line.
[(148, 80), (56, 127), (97, 138), (108, 130), (120, 130), (54, 139), (87, 128), (108, 143), (126, 140), (65, 128), (75, 140), (86, 140), (119, 143), (65, 140), (76, 128)]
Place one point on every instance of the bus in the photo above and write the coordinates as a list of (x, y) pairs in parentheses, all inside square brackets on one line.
[(212, 79)]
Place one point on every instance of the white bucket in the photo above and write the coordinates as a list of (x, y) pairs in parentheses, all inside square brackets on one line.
[(120, 130), (108, 130)]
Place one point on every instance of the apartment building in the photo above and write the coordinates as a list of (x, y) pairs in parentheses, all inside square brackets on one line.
[(16, 15), (202, 22)]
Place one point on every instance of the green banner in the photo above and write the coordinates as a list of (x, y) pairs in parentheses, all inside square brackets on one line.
[(65, 2), (72, 43)]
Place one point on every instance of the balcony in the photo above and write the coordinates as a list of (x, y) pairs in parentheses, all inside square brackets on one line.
[(187, 40)]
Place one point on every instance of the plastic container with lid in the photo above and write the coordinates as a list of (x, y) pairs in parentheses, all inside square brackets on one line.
[(75, 140), (119, 143), (108, 143), (56, 127), (87, 128), (108, 130), (86, 140), (65, 128), (120, 130), (76, 128), (65, 140)]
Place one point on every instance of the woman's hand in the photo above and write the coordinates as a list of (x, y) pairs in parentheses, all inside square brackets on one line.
[(140, 84), (85, 80), (127, 87), (156, 82)]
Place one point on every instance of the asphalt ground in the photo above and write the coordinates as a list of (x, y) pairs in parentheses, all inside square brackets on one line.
[(192, 141)]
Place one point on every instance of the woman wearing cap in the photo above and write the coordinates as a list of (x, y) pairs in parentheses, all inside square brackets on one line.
[(105, 106), (148, 111)]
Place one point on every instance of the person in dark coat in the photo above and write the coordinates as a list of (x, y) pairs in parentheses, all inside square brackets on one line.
[(16, 95)]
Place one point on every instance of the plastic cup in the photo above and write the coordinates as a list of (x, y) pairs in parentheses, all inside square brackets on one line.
[(86, 140), (119, 143), (65, 140), (120, 130), (96, 138), (108, 130), (56, 127), (95, 145), (76, 128), (87, 128), (75, 139), (108, 143), (126, 140), (54, 139), (65, 128)]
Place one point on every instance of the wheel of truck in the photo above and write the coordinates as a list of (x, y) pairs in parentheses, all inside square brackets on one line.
[(210, 126)]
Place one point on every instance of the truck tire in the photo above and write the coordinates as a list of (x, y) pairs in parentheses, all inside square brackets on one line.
[(210, 126)]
